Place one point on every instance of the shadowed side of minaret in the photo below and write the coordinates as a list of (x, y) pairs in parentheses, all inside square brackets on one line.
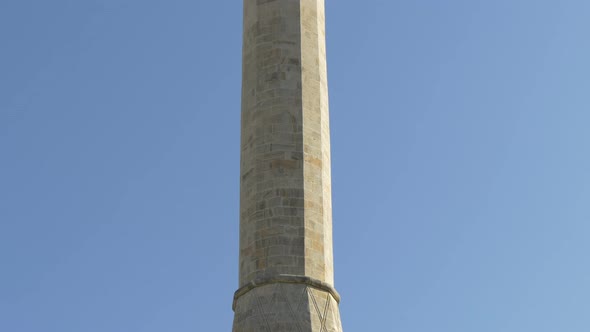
[(286, 264)]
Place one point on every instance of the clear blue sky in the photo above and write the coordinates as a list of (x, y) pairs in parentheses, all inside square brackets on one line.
[(461, 164)]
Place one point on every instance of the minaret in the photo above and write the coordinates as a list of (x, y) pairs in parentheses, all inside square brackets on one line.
[(286, 266)]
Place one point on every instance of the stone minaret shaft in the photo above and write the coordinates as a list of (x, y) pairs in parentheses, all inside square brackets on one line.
[(286, 268)]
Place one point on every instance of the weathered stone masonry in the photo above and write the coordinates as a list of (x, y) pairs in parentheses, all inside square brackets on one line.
[(286, 260)]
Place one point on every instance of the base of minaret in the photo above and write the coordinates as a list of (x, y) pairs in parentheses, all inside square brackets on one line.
[(297, 304)]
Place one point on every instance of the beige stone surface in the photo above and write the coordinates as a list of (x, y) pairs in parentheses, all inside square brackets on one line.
[(285, 308), (285, 201)]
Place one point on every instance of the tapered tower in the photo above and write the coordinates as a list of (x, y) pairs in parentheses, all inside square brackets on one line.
[(286, 269)]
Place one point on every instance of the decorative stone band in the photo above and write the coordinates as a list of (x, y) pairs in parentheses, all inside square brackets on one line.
[(286, 279)]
